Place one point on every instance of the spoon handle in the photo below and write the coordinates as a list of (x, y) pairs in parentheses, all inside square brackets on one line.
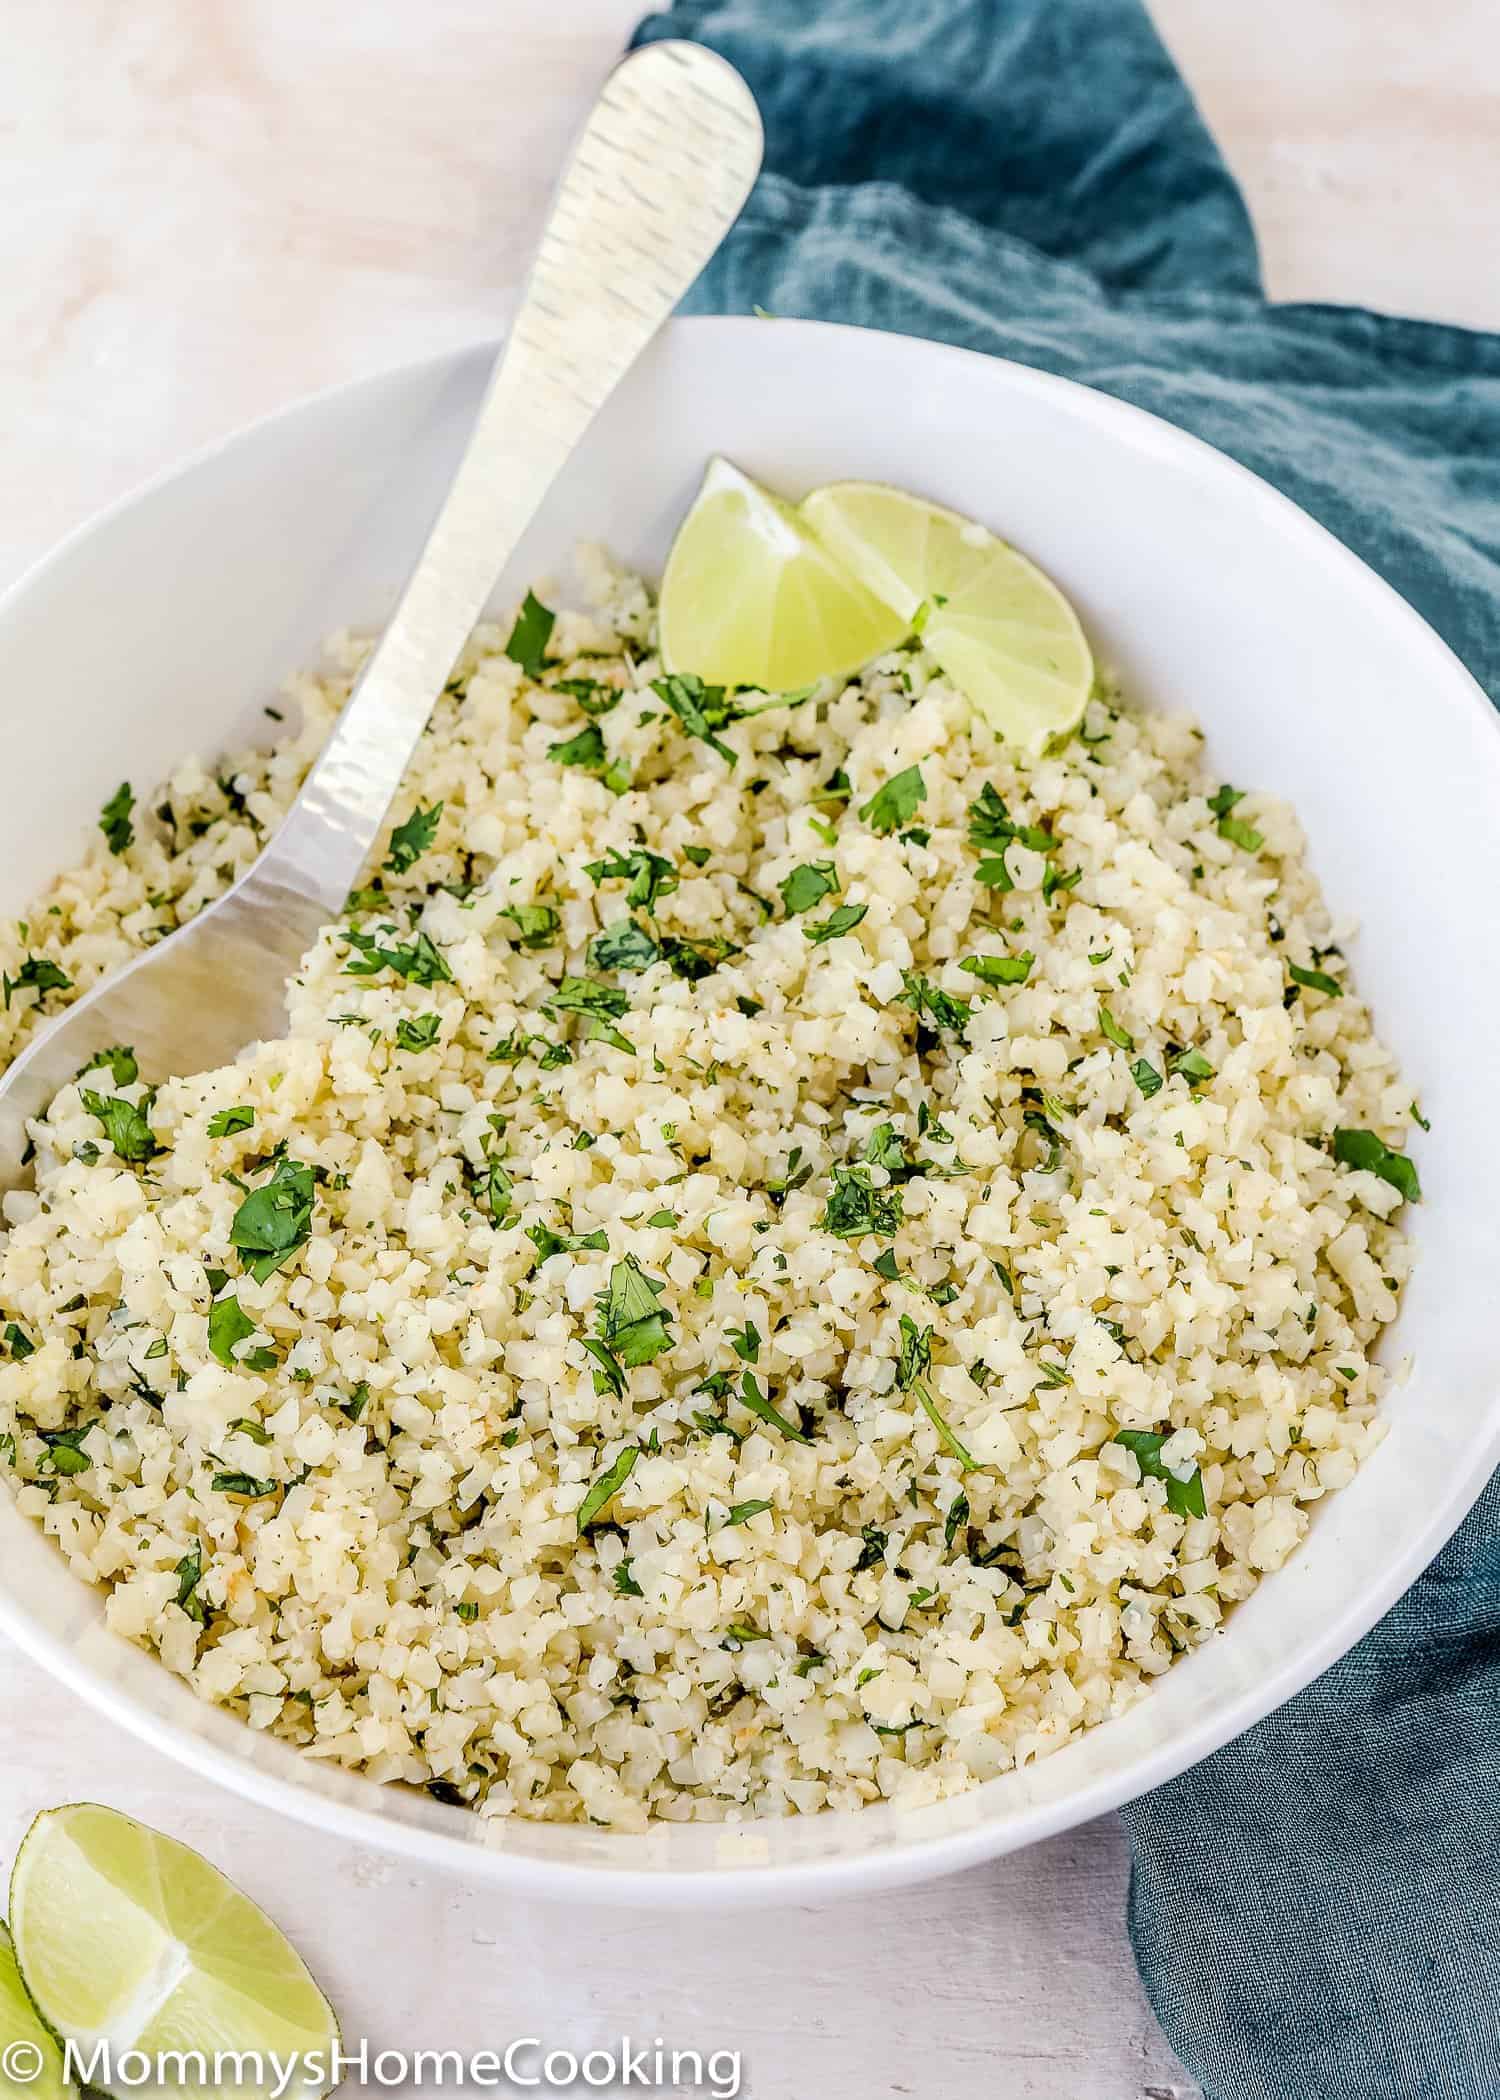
[(658, 176)]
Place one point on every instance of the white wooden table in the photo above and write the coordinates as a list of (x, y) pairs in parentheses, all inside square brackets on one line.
[(208, 207)]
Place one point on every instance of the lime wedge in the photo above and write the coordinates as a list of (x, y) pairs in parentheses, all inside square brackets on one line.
[(750, 597), (31, 2065), (1002, 631), (125, 1935)]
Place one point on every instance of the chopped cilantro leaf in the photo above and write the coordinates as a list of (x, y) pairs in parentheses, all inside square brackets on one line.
[(38, 975), (701, 709), (896, 803), (274, 1220), (536, 924), (856, 1207), (530, 635), (807, 886), (1146, 1077), (1184, 1487), (650, 875), (244, 1486), (1109, 1026), (631, 1324), (999, 969), (114, 818), (189, 1573), (65, 1452), (124, 1124), (841, 920), (1315, 980), (418, 1034), (760, 1405), (929, 1003), (1364, 1150), (548, 1243), (745, 1342), (624, 946), (417, 960), (608, 1485), (742, 1512), (409, 841), (224, 1122)]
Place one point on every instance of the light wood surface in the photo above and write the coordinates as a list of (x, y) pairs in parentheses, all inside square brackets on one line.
[(208, 207)]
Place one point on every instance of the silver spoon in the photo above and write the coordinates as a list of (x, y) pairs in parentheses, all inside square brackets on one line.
[(657, 178)]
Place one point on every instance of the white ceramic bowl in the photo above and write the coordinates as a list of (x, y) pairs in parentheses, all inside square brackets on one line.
[(162, 628)]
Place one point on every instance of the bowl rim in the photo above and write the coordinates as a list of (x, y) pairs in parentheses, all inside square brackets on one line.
[(749, 1883)]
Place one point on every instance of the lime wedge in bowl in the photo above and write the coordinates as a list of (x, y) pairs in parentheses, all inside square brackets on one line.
[(1001, 630), (123, 1934), (751, 598), (30, 2061)]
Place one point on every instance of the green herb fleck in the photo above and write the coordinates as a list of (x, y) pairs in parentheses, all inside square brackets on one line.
[(1364, 1150), (409, 841), (1184, 1487), (608, 1484), (114, 818), (530, 635)]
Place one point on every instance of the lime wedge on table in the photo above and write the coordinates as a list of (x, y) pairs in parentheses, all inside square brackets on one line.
[(1002, 631), (122, 1932), (24, 2041), (750, 597)]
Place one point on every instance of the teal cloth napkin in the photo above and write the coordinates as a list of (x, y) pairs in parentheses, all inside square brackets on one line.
[(1316, 1909)]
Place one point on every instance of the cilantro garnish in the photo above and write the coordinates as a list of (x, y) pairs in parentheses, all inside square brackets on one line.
[(125, 1125), (189, 1573), (536, 924), (418, 1034), (999, 969), (608, 1484), (599, 1004), (530, 635), (409, 841), (1235, 829), (759, 1404), (1146, 1077), (1192, 1065), (872, 1552), (417, 960), (228, 1325), (275, 1219), (1184, 1487), (745, 1342), (931, 1004), (1364, 1150), (841, 920), (547, 1242), (114, 818), (701, 709), (896, 802), (856, 1207), (244, 1486), (807, 886), (224, 1122), (650, 875), (796, 1173), (625, 1582), (742, 1512), (632, 1325), (956, 1520), (510, 1049), (65, 1450), (38, 975), (1109, 1026), (912, 1364), (624, 946), (1315, 980), (121, 1060)]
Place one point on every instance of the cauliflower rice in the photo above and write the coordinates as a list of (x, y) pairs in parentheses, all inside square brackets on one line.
[(837, 1338)]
